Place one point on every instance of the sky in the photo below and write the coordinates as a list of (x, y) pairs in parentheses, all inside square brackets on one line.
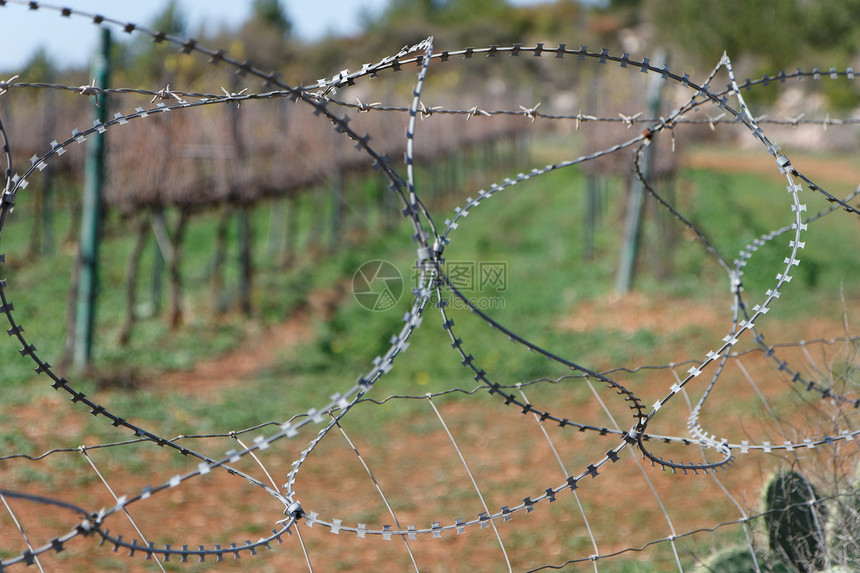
[(71, 41)]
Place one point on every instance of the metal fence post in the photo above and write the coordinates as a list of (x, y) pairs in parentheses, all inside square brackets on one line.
[(636, 196), (91, 214)]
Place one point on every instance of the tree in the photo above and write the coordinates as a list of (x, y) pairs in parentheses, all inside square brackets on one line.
[(40, 68), (460, 22), (762, 28), (265, 35), (831, 24), (271, 14), (172, 20), (148, 58)]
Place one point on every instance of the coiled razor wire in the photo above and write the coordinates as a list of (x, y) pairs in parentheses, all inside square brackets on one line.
[(434, 284)]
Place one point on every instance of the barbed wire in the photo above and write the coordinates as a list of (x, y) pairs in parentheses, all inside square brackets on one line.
[(434, 285)]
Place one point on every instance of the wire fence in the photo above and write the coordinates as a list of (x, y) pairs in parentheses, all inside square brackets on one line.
[(551, 471)]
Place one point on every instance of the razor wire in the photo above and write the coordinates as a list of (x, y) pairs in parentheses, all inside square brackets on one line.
[(434, 284)]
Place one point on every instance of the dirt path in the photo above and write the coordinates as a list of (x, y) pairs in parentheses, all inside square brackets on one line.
[(840, 172), (255, 353)]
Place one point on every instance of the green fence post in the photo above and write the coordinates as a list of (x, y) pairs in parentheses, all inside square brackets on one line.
[(91, 214)]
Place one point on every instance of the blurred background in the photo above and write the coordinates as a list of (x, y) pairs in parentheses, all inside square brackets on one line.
[(231, 235)]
